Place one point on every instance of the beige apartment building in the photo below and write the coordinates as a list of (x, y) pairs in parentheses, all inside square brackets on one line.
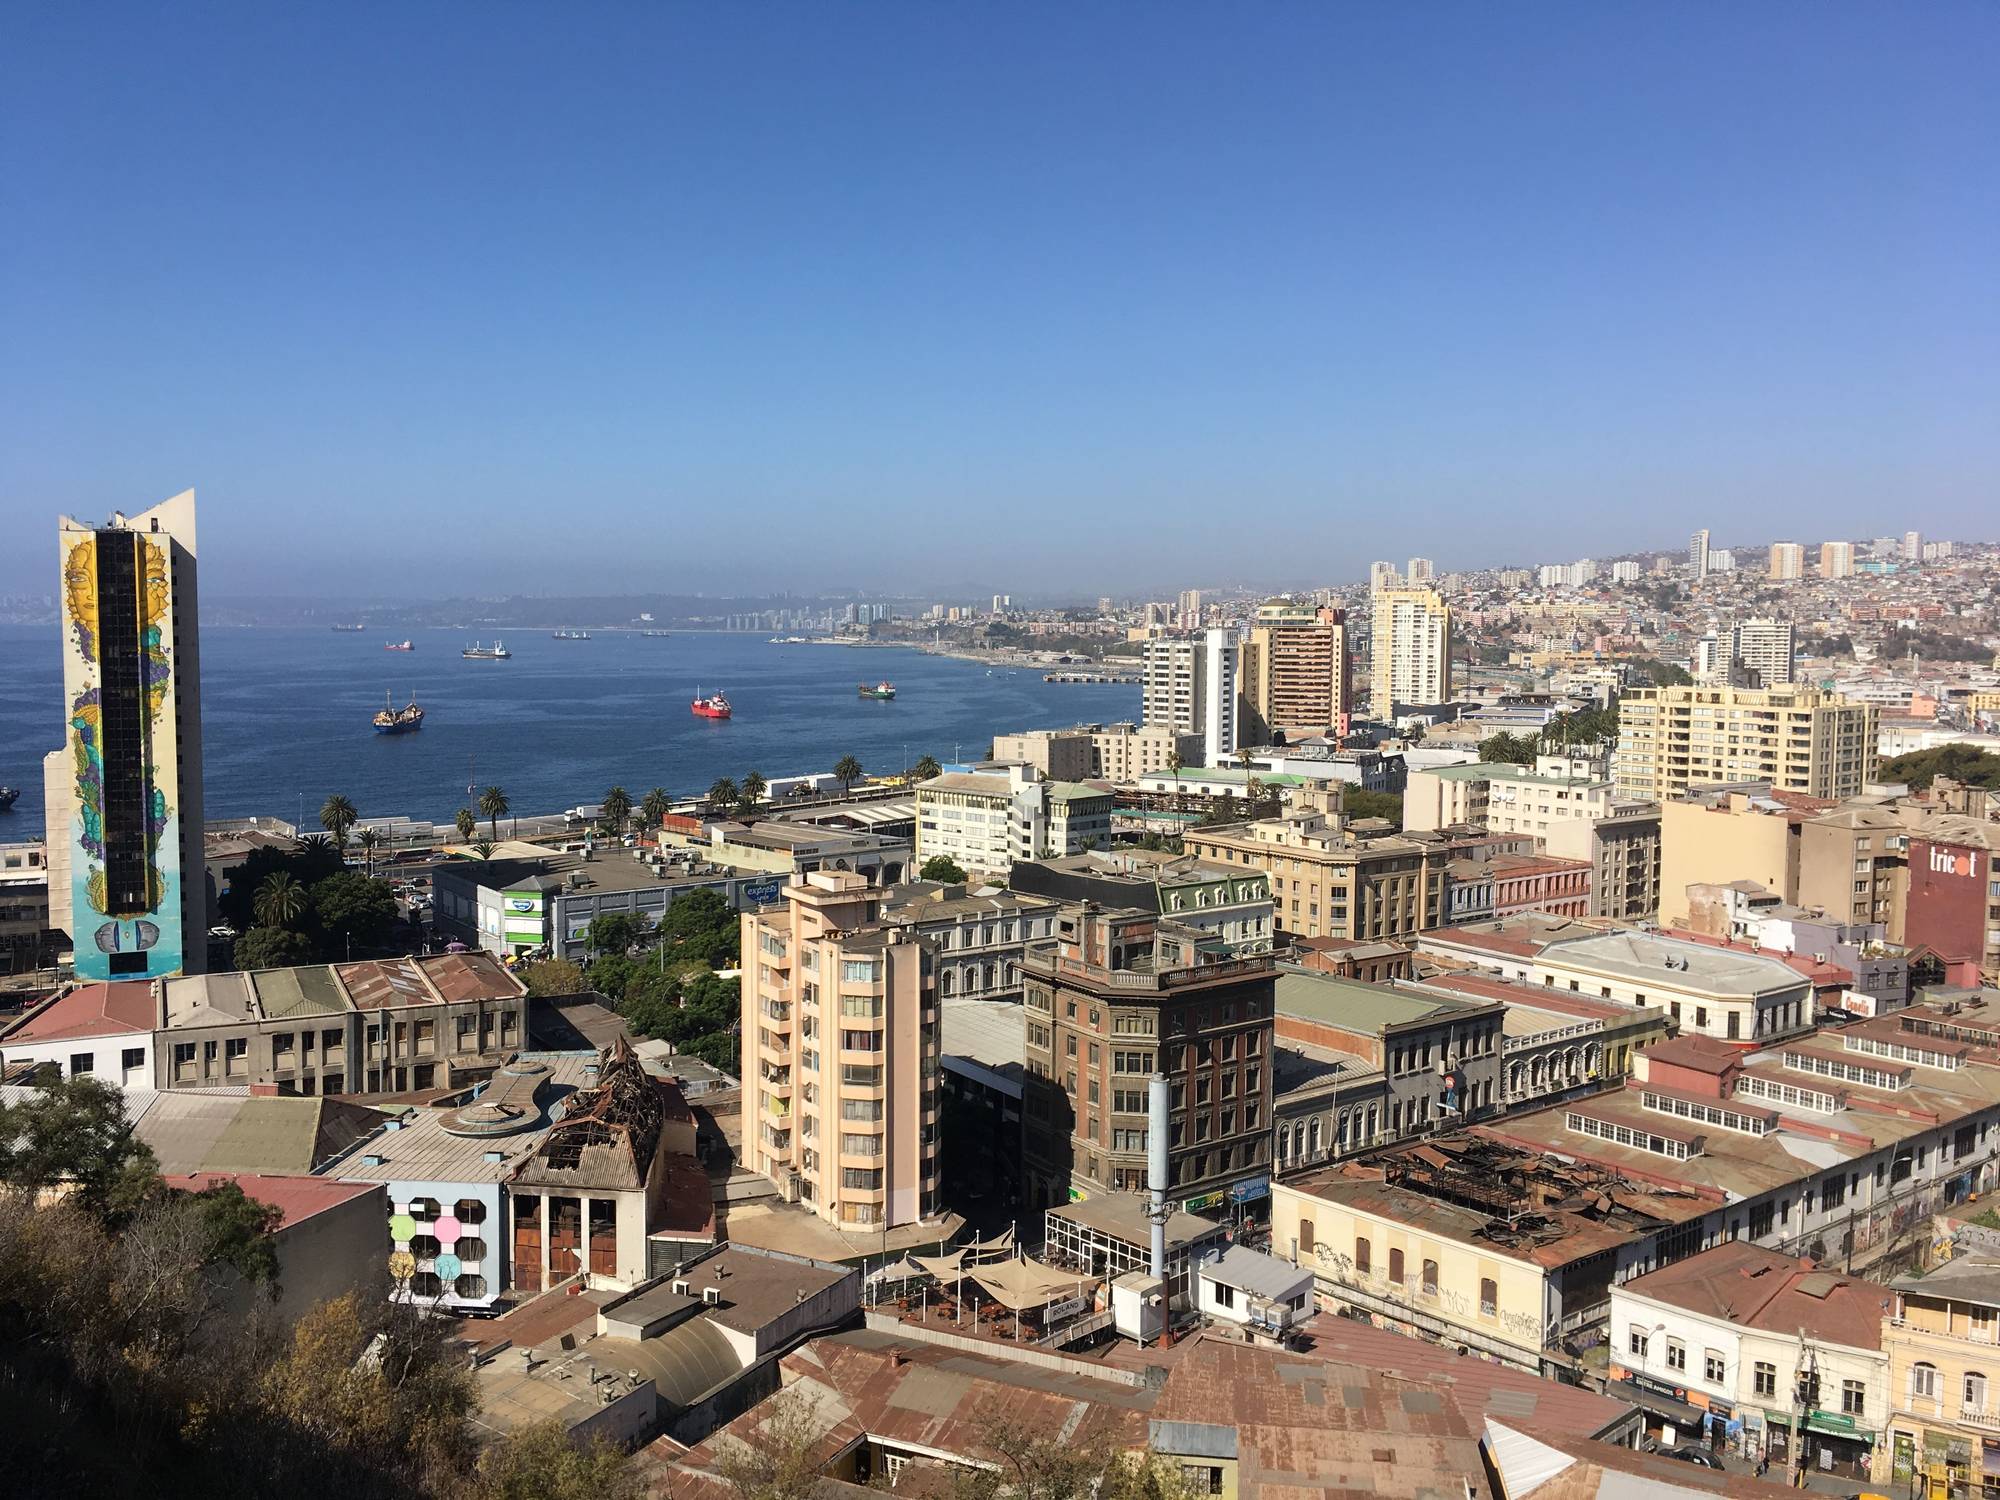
[(1100, 752), (1788, 561), (1293, 672), (1798, 739), (985, 820), (840, 1055), (1328, 880), (1412, 642)]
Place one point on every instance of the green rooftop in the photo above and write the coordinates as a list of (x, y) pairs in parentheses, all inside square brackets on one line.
[(1352, 1005)]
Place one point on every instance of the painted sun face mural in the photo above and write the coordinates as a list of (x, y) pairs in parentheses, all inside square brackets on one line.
[(118, 676)]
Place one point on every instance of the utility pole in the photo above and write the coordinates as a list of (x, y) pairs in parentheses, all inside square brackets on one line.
[(1805, 1394)]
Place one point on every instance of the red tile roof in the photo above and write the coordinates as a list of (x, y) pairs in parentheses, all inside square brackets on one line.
[(297, 1198), (87, 1010)]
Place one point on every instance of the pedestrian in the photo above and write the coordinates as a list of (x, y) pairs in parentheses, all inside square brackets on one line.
[(1763, 1464)]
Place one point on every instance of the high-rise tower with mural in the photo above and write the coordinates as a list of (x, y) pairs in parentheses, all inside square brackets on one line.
[(126, 873)]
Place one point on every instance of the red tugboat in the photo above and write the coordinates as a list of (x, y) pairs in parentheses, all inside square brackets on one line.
[(715, 707)]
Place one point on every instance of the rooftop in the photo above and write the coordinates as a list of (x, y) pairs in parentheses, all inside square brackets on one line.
[(85, 1011), (1122, 1216), (1738, 1282), (1353, 1004), (296, 1198), (450, 1143), (755, 1291), (988, 1033), (198, 1130), (1627, 953)]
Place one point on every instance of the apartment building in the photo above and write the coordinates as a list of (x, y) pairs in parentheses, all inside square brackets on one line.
[(1412, 649), (985, 820), (26, 940), (979, 937), (1787, 561), (1329, 879), (1698, 554), (1836, 559), (1101, 752), (1953, 904), (840, 1054), (1748, 1335), (1943, 1379), (379, 1026), (1762, 653), (1190, 686), (1798, 739), (1231, 903), (1294, 672), (1120, 996)]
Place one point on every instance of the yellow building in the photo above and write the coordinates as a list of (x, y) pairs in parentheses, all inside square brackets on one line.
[(1412, 644), (1722, 838), (1798, 739), (1943, 1341)]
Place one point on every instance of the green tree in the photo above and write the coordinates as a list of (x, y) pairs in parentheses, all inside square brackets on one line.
[(272, 948), (553, 976), (1174, 769), (847, 771), (722, 795), (926, 768), (370, 839), (467, 820), (484, 848), (752, 790), (1967, 764), (541, 1462), (654, 806), (721, 1050), (336, 816), (493, 806), (1507, 749), (1357, 802), (72, 1133), (237, 1231), (281, 900), (614, 932), (617, 808), (354, 910), (941, 867)]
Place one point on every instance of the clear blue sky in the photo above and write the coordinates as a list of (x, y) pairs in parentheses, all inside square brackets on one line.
[(1025, 297)]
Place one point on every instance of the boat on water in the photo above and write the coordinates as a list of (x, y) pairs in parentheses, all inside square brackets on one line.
[(9, 795), (392, 720), (881, 690), (655, 634), (350, 629), (399, 646), (569, 635), (495, 652), (713, 707)]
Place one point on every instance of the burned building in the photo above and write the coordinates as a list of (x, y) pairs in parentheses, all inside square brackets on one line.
[(587, 1197)]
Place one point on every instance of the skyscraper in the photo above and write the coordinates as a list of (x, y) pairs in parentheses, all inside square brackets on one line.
[(1412, 640), (1836, 559), (1788, 560), (1294, 671), (1420, 571), (1698, 554), (1913, 546), (1190, 685), (127, 878), (1382, 575), (1763, 647)]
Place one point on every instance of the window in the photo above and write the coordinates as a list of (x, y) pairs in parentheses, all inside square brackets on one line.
[(1225, 1296), (1975, 1391), (1396, 1267), (1636, 1341), (1712, 1368), (1923, 1380), (1489, 1296), (81, 1063), (132, 1057), (1677, 1355), (1306, 1236), (1363, 1257), (1765, 1378), (861, 970), (1202, 1479), (868, 1178), (1430, 1281), (1853, 1398)]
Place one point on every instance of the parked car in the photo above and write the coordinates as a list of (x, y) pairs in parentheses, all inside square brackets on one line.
[(1699, 1456)]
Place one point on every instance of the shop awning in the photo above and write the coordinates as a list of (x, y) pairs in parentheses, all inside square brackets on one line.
[(1022, 1284)]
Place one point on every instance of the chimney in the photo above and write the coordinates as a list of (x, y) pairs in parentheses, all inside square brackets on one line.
[(1156, 1169), (264, 1088)]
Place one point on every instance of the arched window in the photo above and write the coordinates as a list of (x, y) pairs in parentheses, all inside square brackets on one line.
[(1538, 1076), (1313, 1135), (1517, 1078), (1975, 1391), (1923, 1380), (1369, 1135), (1396, 1267), (946, 981), (1430, 1281), (1363, 1260), (1489, 1296), (1340, 1132)]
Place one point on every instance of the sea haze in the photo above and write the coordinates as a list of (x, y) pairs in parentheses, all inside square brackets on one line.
[(286, 716)]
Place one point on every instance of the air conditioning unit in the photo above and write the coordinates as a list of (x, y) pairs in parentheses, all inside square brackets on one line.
[(712, 1295)]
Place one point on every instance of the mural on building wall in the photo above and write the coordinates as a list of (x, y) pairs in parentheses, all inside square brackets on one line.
[(125, 928), (439, 1252)]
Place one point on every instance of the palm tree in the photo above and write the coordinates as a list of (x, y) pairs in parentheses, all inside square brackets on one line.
[(617, 808), (654, 806), (752, 790), (493, 804), (467, 820), (370, 839), (926, 767), (336, 817), (722, 795), (1174, 765), (484, 849), (279, 900), (847, 770)]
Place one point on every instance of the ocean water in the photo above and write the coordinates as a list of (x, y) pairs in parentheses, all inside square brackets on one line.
[(285, 717)]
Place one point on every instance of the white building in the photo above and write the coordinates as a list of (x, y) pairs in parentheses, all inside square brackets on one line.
[(1698, 554), (102, 1031), (1190, 686), (1764, 647), (1382, 575), (985, 820), (1419, 571), (1254, 1291), (1625, 572)]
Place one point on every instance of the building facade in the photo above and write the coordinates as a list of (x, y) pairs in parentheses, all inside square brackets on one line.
[(840, 1055), (1120, 996), (1797, 739), (1412, 649), (1295, 672), (124, 798), (985, 820)]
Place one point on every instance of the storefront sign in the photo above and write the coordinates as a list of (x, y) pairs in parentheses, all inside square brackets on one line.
[(524, 903), (1831, 1421), (761, 892), (1067, 1308), (1205, 1200), (1244, 1192)]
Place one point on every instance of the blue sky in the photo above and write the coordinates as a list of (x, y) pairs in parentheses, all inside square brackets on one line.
[(524, 297)]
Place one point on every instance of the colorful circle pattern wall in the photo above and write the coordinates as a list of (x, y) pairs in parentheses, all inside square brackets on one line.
[(438, 1251)]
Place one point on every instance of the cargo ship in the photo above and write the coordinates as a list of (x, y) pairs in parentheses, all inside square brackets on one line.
[(398, 720), (9, 795), (350, 629), (715, 707), (398, 646), (569, 635), (495, 652), (882, 690)]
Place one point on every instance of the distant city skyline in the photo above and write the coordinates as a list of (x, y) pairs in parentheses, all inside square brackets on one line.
[(1090, 301)]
